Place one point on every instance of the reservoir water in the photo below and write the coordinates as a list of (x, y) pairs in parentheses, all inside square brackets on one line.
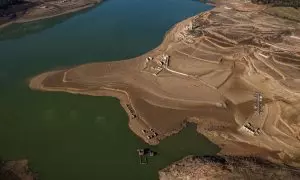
[(76, 137)]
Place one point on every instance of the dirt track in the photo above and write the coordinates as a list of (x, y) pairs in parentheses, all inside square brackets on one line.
[(217, 61)]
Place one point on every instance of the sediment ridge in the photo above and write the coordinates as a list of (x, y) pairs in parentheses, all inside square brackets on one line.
[(234, 71)]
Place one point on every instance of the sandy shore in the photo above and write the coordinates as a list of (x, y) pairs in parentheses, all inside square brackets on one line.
[(208, 70)]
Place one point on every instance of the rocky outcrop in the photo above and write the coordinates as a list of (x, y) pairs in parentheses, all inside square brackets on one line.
[(16, 170), (225, 168)]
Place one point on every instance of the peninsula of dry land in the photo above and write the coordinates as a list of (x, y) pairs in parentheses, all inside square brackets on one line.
[(234, 71)]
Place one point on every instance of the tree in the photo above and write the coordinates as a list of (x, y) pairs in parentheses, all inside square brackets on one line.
[(287, 3), (5, 3)]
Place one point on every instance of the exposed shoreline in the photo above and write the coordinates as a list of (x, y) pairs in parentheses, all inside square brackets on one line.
[(122, 95), (40, 15), (59, 14), (219, 99)]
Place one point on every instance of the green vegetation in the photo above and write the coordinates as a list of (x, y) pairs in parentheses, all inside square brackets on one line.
[(284, 12), (286, 3), (287, 9), (4, 3)]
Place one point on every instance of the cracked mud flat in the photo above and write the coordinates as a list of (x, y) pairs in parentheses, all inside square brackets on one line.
[(217, 61)]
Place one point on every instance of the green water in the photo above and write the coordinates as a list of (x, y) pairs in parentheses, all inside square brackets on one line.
[(76, 137)]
